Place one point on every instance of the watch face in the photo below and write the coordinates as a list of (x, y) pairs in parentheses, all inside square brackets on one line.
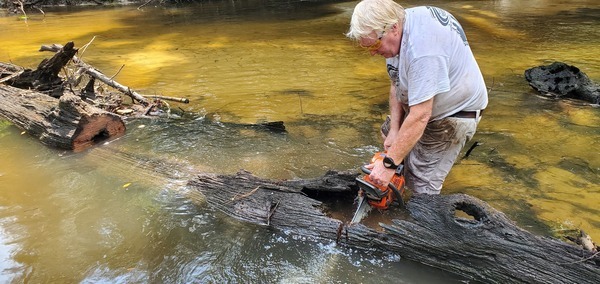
[(388, 163)]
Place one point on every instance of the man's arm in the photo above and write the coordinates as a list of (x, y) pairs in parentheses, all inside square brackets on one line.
[(396, 117), (409, 133)]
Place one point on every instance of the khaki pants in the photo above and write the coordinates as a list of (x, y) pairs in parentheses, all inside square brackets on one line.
[(429, 162)]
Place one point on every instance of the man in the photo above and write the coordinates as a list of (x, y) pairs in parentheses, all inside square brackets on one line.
[(437, 91)]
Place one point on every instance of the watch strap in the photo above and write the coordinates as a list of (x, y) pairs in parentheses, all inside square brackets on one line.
[(389, 163)]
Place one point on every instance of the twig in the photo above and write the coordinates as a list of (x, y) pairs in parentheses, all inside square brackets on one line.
[(85, 46), (23, 10), (69, 79), (40, 9), (118, 71), (181, 100), (471, 149), (582, 260), (141, 6), (236, 198), (16, 74)]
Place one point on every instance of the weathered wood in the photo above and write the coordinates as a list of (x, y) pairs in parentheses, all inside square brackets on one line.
[(91, 71), (295, 211), (45, 78), (488, 248), (65, 123), (9, 71)]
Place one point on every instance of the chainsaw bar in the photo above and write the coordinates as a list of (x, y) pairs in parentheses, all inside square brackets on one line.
[(362, 210)]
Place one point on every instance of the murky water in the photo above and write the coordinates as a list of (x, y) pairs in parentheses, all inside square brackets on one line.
[(122, 213)]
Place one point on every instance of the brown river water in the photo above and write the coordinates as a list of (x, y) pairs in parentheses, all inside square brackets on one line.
[(121, 212)]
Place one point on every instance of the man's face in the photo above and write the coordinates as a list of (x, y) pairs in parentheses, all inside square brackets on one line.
[(385, 44)]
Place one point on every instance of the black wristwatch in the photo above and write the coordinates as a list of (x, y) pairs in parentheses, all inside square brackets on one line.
[(389, 163)]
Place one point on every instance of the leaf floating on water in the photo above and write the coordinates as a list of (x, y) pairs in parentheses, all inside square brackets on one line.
[(126, 185), (142, 126), (23, 133)]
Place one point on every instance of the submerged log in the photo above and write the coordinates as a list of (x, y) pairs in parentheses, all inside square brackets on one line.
[(65, 123), (485, 247), (563, 81)]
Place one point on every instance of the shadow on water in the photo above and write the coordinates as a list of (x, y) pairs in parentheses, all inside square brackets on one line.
[(495, 157), (581, 167)]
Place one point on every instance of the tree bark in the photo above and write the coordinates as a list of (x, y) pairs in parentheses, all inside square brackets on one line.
[(486, 247), (65, 123)]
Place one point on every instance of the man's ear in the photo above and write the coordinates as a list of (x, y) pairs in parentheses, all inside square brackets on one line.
[(395, 28)]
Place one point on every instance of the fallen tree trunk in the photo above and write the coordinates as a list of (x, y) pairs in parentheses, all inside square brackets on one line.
[(488, 248), (65, 123)]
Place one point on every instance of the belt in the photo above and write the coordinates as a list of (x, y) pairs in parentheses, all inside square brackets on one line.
[(467, 114)]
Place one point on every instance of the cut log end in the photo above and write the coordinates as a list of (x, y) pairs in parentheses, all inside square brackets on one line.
[(68, 123), (98, 129)]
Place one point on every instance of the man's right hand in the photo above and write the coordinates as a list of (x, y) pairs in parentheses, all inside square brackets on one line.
[(380, 175)]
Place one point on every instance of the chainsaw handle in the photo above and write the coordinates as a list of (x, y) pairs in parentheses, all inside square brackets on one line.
[(397, 193), (390, 185), (365, 170)]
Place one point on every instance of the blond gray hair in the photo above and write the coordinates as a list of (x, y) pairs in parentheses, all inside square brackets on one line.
[(374, 16)]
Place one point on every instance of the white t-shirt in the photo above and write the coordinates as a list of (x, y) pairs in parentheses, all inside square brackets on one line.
[(435, 60)]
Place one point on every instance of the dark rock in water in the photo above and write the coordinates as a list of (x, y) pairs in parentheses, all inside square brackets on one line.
[(563, 81)]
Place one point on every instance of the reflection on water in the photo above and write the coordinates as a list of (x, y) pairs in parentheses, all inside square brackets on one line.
[(122, 212)]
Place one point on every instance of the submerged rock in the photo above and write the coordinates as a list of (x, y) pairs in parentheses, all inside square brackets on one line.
[(563, 81)]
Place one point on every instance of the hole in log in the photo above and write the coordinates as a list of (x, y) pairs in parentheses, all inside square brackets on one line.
[(342, 206), (335, 205), (101, 136), (468, 214), (95, 129)]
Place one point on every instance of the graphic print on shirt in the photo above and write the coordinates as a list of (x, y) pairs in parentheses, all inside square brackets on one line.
[(392, 69), (392, 72), (446, 19)]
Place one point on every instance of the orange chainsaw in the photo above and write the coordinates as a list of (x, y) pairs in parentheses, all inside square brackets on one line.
[(373, 196)]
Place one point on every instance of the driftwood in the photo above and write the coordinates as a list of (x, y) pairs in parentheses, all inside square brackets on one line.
[(45, 78), (563, 81), (485, 246), (91, 71), (65, 123), (31, 102), (80, 118)]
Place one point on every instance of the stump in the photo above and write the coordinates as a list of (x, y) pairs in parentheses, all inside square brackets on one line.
[(65, 123), (485, 247), (45, 78), (563, 81)]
